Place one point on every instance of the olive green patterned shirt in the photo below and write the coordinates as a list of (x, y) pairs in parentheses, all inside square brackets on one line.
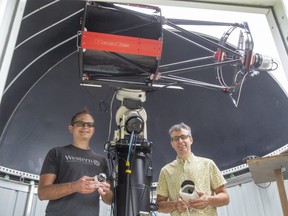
[(202, 171)]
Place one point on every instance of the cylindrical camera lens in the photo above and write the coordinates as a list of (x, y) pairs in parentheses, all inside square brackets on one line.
[(101, 177)]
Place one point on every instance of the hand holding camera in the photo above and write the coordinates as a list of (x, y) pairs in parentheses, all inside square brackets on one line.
[(188, 190), (100, 178)]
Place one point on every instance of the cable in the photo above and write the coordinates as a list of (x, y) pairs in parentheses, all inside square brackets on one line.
[(128, 170), (264, 186), (110, 121)]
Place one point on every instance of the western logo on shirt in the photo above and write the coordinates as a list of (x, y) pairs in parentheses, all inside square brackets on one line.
[(74, 159)]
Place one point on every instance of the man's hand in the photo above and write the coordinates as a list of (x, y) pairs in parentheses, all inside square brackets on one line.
[(181, 205), (84, 185), (199, 203), (103, 188)]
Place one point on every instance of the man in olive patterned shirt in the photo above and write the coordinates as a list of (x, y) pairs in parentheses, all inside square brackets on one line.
[(203, 172)]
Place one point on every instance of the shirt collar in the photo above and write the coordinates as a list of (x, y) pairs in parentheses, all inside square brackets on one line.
[(188, 159)]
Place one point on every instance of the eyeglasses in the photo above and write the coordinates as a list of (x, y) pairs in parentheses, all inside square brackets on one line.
[(83, 124), (177, 138)]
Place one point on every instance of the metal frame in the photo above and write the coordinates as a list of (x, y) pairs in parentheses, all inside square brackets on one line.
[(13, 17)]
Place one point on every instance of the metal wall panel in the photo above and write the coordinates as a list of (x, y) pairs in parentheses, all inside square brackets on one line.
[(12, 202), (247, 199)]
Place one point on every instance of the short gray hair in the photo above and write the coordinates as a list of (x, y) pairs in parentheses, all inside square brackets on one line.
[(180, 126)]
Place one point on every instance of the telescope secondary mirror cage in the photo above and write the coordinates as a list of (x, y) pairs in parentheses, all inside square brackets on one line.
[(121, 46)]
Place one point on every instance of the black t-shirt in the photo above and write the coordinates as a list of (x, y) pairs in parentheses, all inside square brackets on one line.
[(70, 163)]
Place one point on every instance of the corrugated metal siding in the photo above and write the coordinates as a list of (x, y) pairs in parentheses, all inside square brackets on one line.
[(247, 199), (12, 202), (14, 199)]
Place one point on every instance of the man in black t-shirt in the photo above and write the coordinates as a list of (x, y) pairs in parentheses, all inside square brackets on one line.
[(67, 175)]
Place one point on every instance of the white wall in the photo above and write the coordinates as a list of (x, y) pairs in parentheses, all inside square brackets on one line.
[(247, 199)]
